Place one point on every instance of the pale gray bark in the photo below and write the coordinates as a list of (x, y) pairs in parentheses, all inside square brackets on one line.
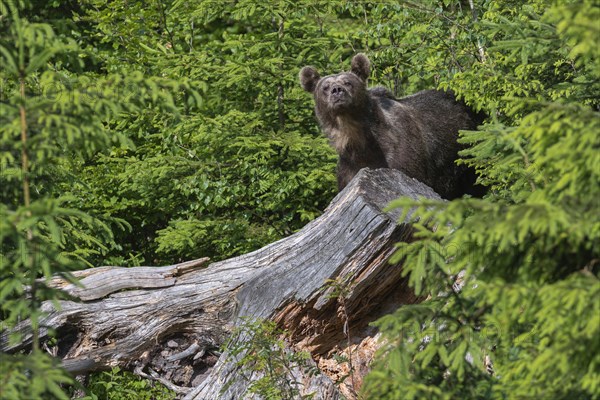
[(167, 323)]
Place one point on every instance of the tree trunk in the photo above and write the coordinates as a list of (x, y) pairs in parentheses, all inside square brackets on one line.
[(323, 285)]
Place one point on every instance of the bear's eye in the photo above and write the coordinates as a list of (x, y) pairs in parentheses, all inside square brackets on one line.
[(347, 83), (326, 88)]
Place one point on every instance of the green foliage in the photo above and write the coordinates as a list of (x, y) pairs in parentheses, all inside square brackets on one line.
[(511, 281), (417, 45), (52, 122), (34, 376), (32, 229), (245, 168), (264, 360), (122, 385), (135, 132)]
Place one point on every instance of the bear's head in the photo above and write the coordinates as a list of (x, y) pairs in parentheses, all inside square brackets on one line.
[(338, 93)]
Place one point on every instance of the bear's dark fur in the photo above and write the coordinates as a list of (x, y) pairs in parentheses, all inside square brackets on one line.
[(371, 128)]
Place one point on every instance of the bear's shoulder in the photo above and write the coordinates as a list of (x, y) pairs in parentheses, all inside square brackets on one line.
[(380, 91)]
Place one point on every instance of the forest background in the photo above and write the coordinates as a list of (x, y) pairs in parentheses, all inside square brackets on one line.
[(148, 133)]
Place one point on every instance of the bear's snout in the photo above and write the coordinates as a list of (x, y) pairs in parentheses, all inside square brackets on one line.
[(339, 95), (338, 90)]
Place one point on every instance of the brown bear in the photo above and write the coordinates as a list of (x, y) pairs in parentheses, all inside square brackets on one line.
[(371, 128)]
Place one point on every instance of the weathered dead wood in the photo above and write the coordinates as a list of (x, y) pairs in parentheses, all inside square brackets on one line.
[(168, 322)]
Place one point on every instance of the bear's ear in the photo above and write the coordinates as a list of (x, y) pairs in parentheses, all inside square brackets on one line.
[(361, 66), (309, 78)]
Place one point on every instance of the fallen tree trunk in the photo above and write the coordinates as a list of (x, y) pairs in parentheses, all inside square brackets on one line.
[(323, 285)]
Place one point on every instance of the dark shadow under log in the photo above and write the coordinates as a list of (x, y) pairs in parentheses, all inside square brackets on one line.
[(168, 323)]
